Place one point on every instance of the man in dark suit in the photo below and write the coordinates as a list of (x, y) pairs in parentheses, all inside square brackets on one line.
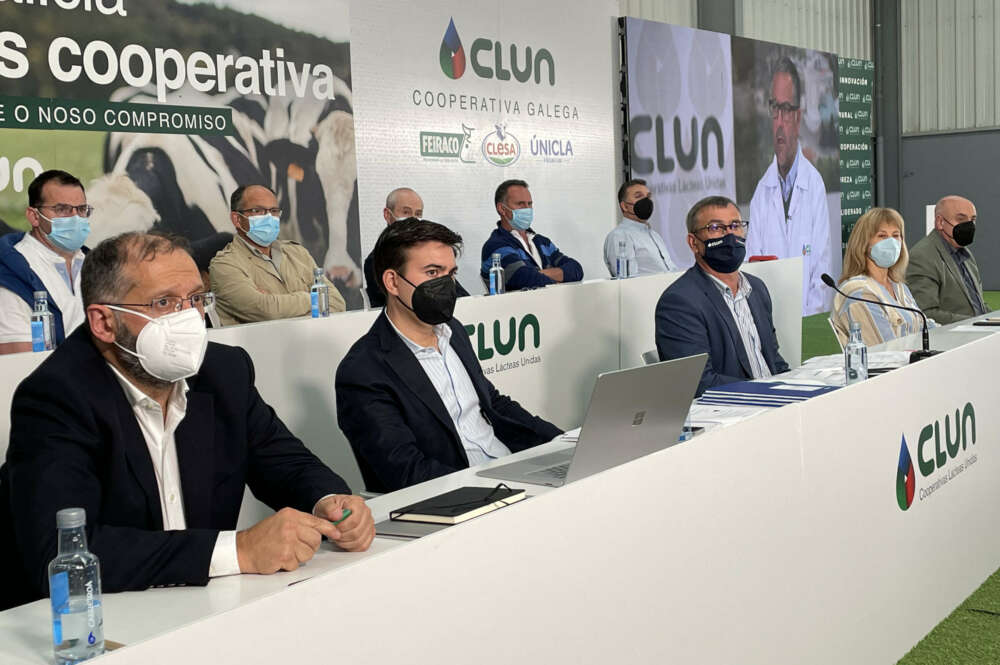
[(411, 395), (716, 309), (156, 434)]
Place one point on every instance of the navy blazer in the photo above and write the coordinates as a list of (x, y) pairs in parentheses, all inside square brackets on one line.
[(397, 424), (74, 441), (692, 317)]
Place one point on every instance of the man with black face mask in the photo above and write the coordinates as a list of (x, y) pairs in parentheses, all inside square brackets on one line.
[(645, 250), (716, 309), (411, 396), (943, 275)]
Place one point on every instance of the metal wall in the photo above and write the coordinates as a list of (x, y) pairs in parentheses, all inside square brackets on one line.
[(950, 77), (678, 12), (838, 26)]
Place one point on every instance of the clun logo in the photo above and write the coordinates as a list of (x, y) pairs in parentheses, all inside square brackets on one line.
[(905, 480), (452, 53), (516, 335)]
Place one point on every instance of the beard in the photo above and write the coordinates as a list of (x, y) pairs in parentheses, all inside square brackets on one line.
[(130, 363)]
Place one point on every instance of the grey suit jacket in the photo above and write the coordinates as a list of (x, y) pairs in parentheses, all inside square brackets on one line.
[(936, 282)]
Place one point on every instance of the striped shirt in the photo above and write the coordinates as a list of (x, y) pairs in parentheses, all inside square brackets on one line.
[(451, 381), (739, 307)]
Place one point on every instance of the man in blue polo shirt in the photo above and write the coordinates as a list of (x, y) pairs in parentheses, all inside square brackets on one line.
[(46, 258), (529, 259)]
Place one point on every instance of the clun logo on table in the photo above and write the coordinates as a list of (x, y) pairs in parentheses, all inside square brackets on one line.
[(503, 342), (936, 453), (452, 53)]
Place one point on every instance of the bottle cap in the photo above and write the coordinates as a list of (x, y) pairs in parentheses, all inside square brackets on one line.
[(41, 294), (855, 325), (68, 518), (317, 271)]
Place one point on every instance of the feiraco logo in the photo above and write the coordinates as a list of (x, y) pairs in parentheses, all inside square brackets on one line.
[(517, 335), (446, 145), (905, 480), (500, 147), (452, 58), (452, 53)]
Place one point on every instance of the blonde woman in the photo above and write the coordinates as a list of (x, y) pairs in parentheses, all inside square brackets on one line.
[(874, 268)]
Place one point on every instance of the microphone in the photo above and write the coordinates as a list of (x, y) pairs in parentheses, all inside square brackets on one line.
[(914, 355)]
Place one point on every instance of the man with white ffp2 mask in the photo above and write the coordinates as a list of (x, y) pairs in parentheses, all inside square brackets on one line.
[(156, 433)]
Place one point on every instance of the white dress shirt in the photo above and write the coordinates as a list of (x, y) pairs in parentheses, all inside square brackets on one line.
[(451, 381), (63, 288), (644, 248), (739, 307), (529, 246), (159, 436)]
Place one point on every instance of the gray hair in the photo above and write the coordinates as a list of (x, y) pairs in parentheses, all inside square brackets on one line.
[(104, 277), (707, 202), (392, 199)]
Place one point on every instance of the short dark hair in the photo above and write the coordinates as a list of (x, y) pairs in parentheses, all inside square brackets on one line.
[(104, 278), (707, 202), (786, 66), (396, 239), (236, 198), (501, 193), (45, 177), (623, 190)]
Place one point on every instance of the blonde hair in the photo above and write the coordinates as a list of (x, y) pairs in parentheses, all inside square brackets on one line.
[(856, 254)]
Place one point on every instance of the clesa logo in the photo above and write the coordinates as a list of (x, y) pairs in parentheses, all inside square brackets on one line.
[(500, 147), (448, 145), (452, 54)]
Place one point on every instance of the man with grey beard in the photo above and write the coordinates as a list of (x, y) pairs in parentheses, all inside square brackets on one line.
[(156, 433)]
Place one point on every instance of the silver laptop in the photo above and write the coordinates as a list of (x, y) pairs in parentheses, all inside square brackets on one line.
[(632, 413)]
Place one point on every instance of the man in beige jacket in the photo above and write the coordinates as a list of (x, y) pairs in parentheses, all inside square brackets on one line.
[(257, 277)]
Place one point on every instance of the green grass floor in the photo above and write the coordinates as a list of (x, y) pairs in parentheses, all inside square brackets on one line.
[(971, 634)]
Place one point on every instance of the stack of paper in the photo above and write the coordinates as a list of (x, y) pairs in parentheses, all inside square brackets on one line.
[(762, 393)]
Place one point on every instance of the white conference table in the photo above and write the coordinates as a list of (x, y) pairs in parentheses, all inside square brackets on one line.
[(728, 531)]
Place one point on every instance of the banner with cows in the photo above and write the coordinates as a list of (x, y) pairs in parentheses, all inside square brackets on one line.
[(163, 108), (751, 120), (454, 98)]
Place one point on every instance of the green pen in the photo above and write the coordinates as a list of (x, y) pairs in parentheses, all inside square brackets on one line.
[(347, 513)]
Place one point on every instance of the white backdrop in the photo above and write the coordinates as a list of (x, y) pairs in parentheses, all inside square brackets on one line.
[(574, 195)]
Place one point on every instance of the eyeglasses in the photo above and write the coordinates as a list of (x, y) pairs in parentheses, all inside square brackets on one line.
[(784, 109), (255, 212), (719, 228), (65, 210), (170, 304)]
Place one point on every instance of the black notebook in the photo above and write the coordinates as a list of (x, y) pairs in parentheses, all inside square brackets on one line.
[(458, 505)]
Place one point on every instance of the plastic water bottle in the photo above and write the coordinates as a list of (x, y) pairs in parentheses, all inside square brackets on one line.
[(855, 357), (621, 261), (75, 591), (319, 295), (43, 326), (496, 277)]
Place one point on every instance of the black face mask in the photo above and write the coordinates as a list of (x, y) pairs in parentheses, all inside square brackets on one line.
[(725, 254), (643, 208), (433, 300), (963, 233)]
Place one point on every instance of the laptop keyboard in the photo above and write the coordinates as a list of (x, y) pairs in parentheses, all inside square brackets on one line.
[(558, 472)]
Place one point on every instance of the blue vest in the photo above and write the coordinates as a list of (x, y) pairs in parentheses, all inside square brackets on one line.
[(17, 276)]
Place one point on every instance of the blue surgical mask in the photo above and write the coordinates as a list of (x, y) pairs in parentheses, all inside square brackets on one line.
[(263, 229), (68, 233), (885, 252), (521, 218)]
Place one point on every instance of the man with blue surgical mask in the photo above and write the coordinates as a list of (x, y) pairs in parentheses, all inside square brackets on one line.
[(258, 277), (529, 259), (46, 258)]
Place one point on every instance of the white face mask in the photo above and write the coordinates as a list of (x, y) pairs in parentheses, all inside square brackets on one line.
[(171, 347)]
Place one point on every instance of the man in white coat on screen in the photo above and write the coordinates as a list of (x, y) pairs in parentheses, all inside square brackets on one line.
[(788, 211)]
